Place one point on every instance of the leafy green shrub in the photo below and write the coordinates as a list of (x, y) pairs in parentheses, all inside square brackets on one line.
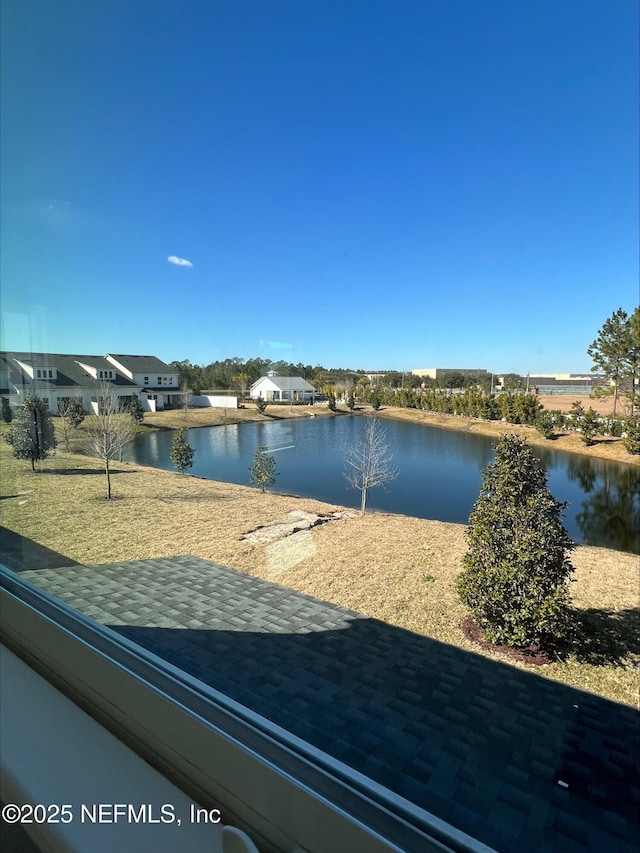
[(32, 435), (75, 413), (577, 409), (526, 408), (261, 405), (515, 576), (631, 435), (7, 414), (136, 411), (263, 471), (589, 426), (612, 426), (507, 409), (181, 452), (545, 424)]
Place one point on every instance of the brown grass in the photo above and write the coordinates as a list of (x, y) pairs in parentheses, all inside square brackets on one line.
[(395, 568), (176, 418), (602, 405)]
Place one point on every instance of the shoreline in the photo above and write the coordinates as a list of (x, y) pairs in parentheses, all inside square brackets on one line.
[(608, 449), (396, 568)]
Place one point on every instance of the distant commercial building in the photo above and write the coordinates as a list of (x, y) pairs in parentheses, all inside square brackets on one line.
[(562, 383), (440, 372)]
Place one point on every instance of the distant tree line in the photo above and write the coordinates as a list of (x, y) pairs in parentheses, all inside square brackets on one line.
[(472, 402), (237, 374)]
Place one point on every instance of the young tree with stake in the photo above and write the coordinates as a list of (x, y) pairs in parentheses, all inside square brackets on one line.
[(368, 462), (32, 434), (181, 452), (112, 431), (185, 397), (263, 471)]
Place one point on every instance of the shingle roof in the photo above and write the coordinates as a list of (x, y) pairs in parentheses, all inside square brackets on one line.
[(516, 760), (70, 373), (286, 383), (143, 363), (69, 368)]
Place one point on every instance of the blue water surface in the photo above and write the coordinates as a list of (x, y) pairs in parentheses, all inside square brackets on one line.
[(439, 471)]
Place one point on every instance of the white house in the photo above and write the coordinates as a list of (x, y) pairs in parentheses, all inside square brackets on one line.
[(56, 377), (159, 383), (281, 389)]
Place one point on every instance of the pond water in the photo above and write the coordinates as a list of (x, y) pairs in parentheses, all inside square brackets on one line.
[(440, 471)]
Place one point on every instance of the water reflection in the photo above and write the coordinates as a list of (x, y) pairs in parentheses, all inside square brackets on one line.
[(440, 471), (611, 511)]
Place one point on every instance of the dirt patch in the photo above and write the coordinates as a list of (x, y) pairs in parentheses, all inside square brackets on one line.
[(292, 522), (532, 655), (602, 405)]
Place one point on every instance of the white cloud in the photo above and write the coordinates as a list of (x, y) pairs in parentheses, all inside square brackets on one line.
[(275, 345), (179, 262)]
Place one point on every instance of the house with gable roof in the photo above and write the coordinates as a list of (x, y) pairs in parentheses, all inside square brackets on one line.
[(56, 378), (159, 383), (282, 389)]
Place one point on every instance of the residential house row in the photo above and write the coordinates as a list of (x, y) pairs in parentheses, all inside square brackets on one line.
[(56, 378)]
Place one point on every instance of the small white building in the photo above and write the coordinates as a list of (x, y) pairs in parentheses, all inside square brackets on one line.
[(282, 389)]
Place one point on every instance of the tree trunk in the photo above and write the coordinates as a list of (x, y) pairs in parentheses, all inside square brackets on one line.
[(363, 502), (108, 480)]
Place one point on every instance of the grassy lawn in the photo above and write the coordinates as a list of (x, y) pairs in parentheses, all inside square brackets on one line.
[(391, 567)]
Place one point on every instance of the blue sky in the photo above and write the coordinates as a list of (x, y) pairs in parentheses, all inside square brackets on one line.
[(376, 184)]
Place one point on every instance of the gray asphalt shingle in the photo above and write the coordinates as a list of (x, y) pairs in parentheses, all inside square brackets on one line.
[(476, 742)]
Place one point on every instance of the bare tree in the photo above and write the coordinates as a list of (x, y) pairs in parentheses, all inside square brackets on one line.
[(185, 396), (112, 431), (241, 380), (368, 462), (349, 386)]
